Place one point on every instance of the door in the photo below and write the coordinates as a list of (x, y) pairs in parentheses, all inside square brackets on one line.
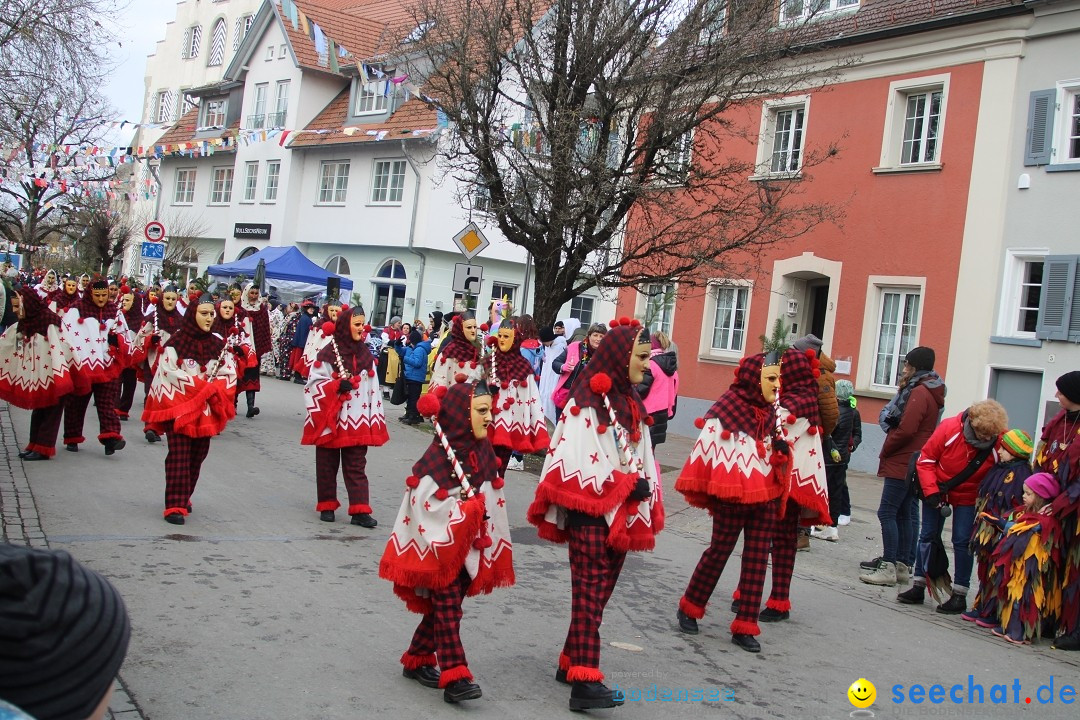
[(819, 307), (1019, 392)]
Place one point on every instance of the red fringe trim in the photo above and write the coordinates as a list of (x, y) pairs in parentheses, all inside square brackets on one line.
[(544, 529), (413, 602), (171, 412), (522, 442), (451, 675), (557, 492), (450, 559), (636, 538), (695, 611), (358, 509), (487, 580), (371, 436), (564, 661), (327, 505), (580, 673), (109, 436), (778, 605), (169, 511), (412, 662), (745, 627), (698, 479), (79, 440), (43, 449)]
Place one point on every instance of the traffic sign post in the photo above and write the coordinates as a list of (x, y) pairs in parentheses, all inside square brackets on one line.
[(152, 251), (471, 241), (154, 231), (467, 278)]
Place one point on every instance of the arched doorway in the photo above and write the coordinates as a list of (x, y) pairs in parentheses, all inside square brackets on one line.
[(247, 252), (389, 285), (187, 266)]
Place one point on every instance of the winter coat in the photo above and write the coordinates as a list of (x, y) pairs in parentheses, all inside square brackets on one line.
[(917, 423), (660, 391), (848, 433), (303, 327), (533, 351), (414, 358), (827, 394), (944, 455)]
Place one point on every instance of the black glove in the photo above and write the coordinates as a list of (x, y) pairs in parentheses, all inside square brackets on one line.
[(345, 387), (641, 491), (155, 339), (934, 500), (238, 351), (114, 340)]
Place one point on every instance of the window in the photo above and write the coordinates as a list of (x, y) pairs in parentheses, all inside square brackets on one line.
[(247, 252), (657, 306), (218, 38), (184, 193), (672, 166), (581, 308), (240, 31), (1059, 302), (389, 292), (187, 265), (270, 53), (257, 120), (481, 199), (1070, 128), (337, 264), (221, 187), (1021, 293), (370, 98), (782, 136), (281, 105), (713, 19), (189, 103), (273, 173), (251, 179), (213, 114), (1053, 132), (792, 10), (333, 182), (914, 124), (164, 110), (281, 51), (192, 42), (727, 309), (500, 291), (389, 182), (897, 333)]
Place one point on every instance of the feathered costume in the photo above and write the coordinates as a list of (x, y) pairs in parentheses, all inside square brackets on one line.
[(1000, 492), (459, 360), (1059, 454), (1021, 575)]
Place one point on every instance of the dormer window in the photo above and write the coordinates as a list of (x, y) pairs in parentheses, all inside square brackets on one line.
[(371, 98), (796, 10), (213, 113)]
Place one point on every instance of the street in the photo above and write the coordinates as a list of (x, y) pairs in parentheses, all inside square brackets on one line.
[(255, 609)]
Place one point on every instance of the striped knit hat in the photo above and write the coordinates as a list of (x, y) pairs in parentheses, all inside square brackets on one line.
[(1018, 443)]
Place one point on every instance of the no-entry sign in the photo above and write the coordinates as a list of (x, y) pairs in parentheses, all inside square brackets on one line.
[(154, 231)]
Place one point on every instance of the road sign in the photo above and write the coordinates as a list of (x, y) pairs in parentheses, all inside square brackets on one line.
[(471, 241), (153, 251), (154, 231), (467, 278)]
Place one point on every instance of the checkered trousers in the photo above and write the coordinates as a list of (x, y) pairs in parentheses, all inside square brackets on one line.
[(784, 541), (44, 427), (756, 522), (105, 396), (439, 631), (353, 463), (182, 465), (594, 571)]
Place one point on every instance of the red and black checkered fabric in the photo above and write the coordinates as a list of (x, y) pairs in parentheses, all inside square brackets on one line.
[(169, 320), (476, 456), (37, 317), (512, 365), (353, 463), (784, 546), (798, 386), (105, 396), (192, 343), (439, 631), (458, 347), (226, 329), (743, 408), (594, 572), (355, 354), (87, 308), (44, 427), (182, 465), (612, 358)]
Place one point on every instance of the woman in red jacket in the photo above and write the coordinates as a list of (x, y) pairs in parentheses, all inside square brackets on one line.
[(959, 442)]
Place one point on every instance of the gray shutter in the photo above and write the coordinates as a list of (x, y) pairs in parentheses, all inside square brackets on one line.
[(1074, 317), (1040, 127), (1056, 304)]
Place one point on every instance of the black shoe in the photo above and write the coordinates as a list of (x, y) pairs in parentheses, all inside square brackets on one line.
[(460, 690), (175, 518), (748, 643), (870, 564), (252, 412), (954, 605), (327, 516), (364, 520), (686, 623), (152, 436), (299, 380), (72, 447), (24, 453), (1067, 642), (734, 606), (593, 695), (112, 445), (915, 595), (560, 676), (33, 455), (770, 615), (426, 675)]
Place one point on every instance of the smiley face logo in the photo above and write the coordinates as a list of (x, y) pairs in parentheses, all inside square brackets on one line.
[(862, 693)]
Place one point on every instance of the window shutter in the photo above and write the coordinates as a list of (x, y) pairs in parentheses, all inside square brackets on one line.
[(1056, 304), (1040, 127), (187, 44)]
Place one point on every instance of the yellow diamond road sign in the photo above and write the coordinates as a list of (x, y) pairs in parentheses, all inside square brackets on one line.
[(471, 241)]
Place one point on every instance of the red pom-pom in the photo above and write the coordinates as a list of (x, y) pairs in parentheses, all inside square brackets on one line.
[(509, 403), (492, 341), (367, 328), (344, 307), (481, 543), (613, 322), (441, 494), (600, 383), (461, 364), (813, 430), (809, 352), (328, 328), (817, 373), (601, 429), (649, 420), (575, 410), (498, 483), (317, 364), (80, 321), (485, 327), (625, 321), (790, 419), (725, 434), (699, 423), (428, 405), (472, 365), (412, 481), (124, 289), (460, 378), (778, 459), (504, 384), (153, 301), (440, 391)]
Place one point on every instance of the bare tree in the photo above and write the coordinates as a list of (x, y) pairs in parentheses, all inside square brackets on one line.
[(105, 232), (598, 134), (184, 230)]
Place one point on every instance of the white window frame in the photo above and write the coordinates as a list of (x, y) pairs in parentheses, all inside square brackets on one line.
[(505, 286), (336, 261), (793, 11), (273, 181), (714, 31), (1068, 106), (164, 106), (192, 43), (892, 138), (333, 186), (1012, 290), (370, 98), (240, 30), (184, 186), (580, 300), (771, 110), (383, 188), (876, 287), (281, 103), (271, 53), (671, 166), (206, 118), (221, 184), (261, 92), (251, 181), (733, 352), (282, 51), (660, 297), (219, 38)]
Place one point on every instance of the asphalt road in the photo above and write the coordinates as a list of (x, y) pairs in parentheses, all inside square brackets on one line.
[(255, 609)]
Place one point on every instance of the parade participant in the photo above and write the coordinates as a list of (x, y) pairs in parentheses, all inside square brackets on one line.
[(254, 313), (600, 493), (129, 376), (737, 471), (84, 284), (68, 295), (228, 327), (191, 400), (318, 338), (460, 358), (162, 318), (97, 333), (518, 424), (451, 538), (1059, 454), (114, 291), (36, 371), (272, 360), (285, 341), (194, 292), (344, 416), (49, 287), (236, 293)]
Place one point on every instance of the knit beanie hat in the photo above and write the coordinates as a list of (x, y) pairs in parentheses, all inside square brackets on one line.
[(1018, 443), (844, 390), (1069, 385), (1044, 485), (63, 633), (808, 342), (546, 334), (921, 358)]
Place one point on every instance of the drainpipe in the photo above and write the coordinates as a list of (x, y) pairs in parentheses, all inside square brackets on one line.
[(525, 289), (412, 231)]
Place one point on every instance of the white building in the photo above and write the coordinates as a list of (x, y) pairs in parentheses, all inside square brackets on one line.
[(357, 189)]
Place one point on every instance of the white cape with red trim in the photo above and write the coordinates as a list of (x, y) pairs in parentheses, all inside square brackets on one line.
[(35, 372), (808, 485), (337, 420), (518, 420), (198, 401), (95, 361), (446, 370)]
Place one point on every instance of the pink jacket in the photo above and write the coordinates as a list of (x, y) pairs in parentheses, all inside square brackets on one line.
[(664, 390)]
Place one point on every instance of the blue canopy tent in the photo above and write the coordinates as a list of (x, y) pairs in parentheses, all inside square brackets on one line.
[(287, 269)]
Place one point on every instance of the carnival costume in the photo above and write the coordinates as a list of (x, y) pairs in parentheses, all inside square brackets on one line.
[(256, 319), (317, 339), (518, 423), (460, 358)]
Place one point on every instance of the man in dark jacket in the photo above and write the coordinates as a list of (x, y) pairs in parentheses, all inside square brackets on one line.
[(846, 436), (908, 421)]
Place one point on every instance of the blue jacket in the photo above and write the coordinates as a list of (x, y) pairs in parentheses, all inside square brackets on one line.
[(415, 360)]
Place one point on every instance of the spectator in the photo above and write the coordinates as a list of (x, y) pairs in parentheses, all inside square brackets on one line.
[(549, 378), (414, 358), (844, 439), (573, 360), (908, 421), (300, 338), (660, 388)]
